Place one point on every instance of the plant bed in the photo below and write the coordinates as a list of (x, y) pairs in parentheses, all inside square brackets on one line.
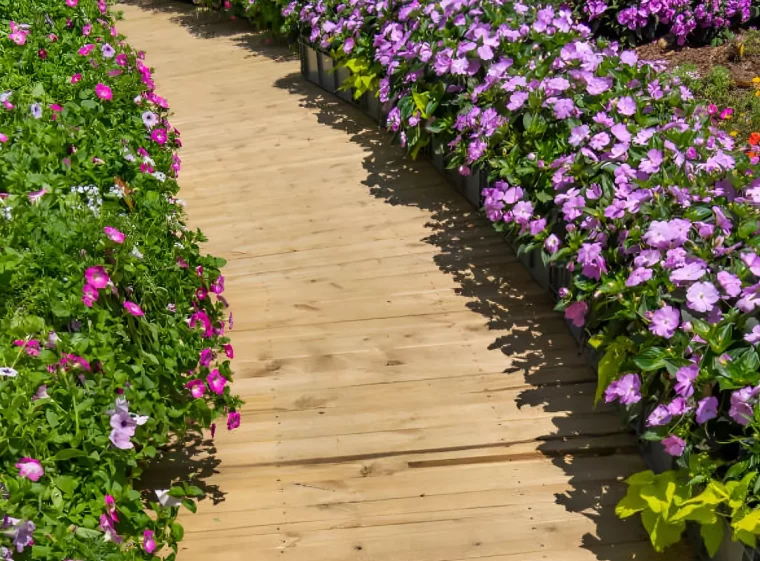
[(113, 324)]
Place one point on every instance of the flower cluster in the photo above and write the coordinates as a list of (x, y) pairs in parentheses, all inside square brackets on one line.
[(607, 167), (106, 303)]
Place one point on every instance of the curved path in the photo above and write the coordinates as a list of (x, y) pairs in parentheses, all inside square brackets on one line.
[(410, 394)]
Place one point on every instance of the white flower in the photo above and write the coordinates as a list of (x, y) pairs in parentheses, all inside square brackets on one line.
[(136, 253), (165, 499), (140, 419), (159, 175), (8, 371)]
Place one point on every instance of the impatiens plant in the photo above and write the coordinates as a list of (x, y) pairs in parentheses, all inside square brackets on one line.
[(112, 322), (609, 170)]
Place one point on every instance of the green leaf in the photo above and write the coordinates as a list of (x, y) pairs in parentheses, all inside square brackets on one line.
[(68, 454), (66, 483), (189, 505), (712, 535), (750, 523), (631, 503), (651, 359), (177, 531), (609, 368), (52, 418), (38, 91), (88, 533)]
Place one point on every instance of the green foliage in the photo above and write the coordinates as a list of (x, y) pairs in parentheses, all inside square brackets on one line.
[(82, 168)]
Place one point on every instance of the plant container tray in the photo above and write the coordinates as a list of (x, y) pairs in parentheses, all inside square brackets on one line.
[(326, 72)]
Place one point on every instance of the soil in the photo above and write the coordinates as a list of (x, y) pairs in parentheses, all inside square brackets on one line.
[(705, 58)]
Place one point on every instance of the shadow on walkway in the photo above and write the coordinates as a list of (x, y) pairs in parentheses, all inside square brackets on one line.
[(496, 286)]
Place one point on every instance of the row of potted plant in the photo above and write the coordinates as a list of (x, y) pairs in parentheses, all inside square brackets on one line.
[(608, 166), (113, 324)]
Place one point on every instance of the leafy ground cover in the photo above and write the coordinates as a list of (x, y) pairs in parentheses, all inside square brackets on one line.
[(112, 338)]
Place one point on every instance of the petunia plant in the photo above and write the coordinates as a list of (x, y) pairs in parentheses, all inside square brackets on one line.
[(113, 323)]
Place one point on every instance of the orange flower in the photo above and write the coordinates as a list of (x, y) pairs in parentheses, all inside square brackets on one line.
[(752, 154), (754, 138)]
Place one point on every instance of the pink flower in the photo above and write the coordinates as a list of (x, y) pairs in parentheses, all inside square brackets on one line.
[(674, 445), (133, 308), (76, 78), (216, 382), (90, 295), (206, 356), (233, 420), (41, 393), (228, 351), (113, 234), (86, 49), (197, 388), (576, 313), (111, 508), (72, 3), (3, 138), (149, 542), (30, 468), (121, 59), (86, 29), (159, 135), (201, 293), (217, 287), (103, 91), (97, 277)]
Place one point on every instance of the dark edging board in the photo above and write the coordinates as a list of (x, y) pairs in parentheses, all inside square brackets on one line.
[(320, 69)]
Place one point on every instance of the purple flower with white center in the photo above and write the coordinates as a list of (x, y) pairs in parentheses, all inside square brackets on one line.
[(523, 212), (108, 51), (626, 390), (660, 416), (731, 284), (665, 321), (707, 409), (626, 106), (674, 445), (643, 136), (647, 258), (23, 534), (685, 377), (620, 131), (638, 276), (702, 296), (689, 272), (564, 108), (551, 244)]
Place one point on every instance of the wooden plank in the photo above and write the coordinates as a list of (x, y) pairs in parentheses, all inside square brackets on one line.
[(410, 394)]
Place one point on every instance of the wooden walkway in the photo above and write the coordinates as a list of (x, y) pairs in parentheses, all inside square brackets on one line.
[(410, 394)]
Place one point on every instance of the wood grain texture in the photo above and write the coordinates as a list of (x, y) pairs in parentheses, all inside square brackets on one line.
[(410, 394)]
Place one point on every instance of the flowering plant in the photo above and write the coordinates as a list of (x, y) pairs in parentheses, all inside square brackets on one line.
[(609, 168), (112, 344)]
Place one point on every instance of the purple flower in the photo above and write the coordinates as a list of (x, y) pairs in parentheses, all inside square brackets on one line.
[(627, 390), (665, 321), (626, 106), (517, 100), (754, 336), (578, 135), (678, 407), (707, 409), (731, 284), (563, 108), (660, 416), (752, 260), (576, 313), (690, 272), (674, 445), (702, 296), (685, 377), (651, 164), (599, 141), (638, 275), (551, 244), (742, 402)]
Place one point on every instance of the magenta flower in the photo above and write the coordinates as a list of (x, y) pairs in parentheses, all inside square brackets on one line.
[(86, 49), (30, 468), (707, 409), (217, 287), (72, 3), (158, 135), (665, 321), (233, 420), (702, 296), (133, 308), (97, 277), (228, 351), (576, 312), (76, 78), (111, 508), (90, 295), (113, 234), (106, 525), (197, 388), (149, 541), (674, 445), (103, 91), (626, 390), (206, 356), (216, 382)]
